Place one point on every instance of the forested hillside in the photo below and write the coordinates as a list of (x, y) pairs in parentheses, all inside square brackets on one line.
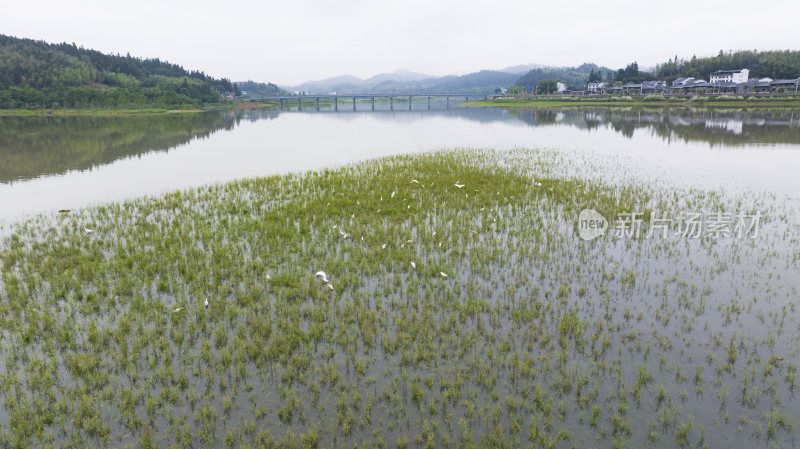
[(771, 64), (35, 74)]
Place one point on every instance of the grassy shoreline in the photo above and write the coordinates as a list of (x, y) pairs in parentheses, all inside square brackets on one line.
[(127, 112), (524, 103)]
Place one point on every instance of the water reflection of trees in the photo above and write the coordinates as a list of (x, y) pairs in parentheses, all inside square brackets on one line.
[(722, 127), (36, 146)]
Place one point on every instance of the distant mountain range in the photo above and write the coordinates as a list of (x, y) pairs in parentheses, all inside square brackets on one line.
[(402, 81), (482, 82)]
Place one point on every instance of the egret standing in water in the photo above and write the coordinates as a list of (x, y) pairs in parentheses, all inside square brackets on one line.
[(324, 278), (205, 304)]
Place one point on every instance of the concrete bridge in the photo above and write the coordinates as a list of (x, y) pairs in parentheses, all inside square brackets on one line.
[(371, 97)]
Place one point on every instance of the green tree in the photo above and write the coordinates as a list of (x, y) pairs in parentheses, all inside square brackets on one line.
[(547, 86)]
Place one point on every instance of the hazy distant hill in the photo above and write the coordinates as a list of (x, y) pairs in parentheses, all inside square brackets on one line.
[(522, 68), (35, 74), (401, 81), (397, 75)]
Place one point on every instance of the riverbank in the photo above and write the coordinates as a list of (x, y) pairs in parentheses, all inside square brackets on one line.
[(131, 111), (701, 102)]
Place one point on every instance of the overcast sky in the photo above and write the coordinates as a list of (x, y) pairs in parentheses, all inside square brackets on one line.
[(291, 41)]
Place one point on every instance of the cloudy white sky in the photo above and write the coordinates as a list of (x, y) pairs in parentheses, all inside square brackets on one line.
[(292, 41)]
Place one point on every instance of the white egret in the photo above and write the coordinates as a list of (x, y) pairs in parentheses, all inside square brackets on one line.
[(413, 265), (415, 181), (205, 303), (177, 310), (322, 276), (443, 274), (459, 185), (87, 230)]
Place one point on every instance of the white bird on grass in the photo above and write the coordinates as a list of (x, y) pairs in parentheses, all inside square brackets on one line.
[(413, 265), (322, 276), (87, 230), (393, 192), (459, 185), (269, 278), (443, 274), (177, 310), (415, 181), (205, 303), (344, 234)]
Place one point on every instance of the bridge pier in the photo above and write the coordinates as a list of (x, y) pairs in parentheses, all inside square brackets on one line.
[(335, 103), (409, 102), (373, 103), (391, 103), (299, 107), (429, 102), (280, 101), (354, 103), (448, 102), (317, 103)]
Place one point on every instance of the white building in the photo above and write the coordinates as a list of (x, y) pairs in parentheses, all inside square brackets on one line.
[(561, 87), (730, 76), (595, 87)]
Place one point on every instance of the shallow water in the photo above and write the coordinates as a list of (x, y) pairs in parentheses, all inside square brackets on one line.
[(71, 162)]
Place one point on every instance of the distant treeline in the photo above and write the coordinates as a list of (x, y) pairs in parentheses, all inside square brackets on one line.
[(765, 64), (260, 89), (35, 74), (571, 76), (769, 64)]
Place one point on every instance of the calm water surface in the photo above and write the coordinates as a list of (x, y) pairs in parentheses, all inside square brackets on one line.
[(71, 162)]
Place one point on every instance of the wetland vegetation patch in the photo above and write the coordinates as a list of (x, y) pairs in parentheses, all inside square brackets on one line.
[(460, 310)]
